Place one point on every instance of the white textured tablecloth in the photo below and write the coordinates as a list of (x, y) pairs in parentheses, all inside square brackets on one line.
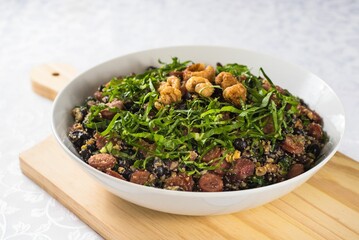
[(321, 36)]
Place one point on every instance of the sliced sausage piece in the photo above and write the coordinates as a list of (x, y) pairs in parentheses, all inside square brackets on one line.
[(116, 104), (98, 95), (222, 168), (280, 90), (266, 84), (181, 181), (102, 161), (293, 144), (243, 168), (295, 170), (140, 177), (210, 182), (269, 126), (315, 130), (146, 147), (100, 141), (107, 114), (114, 174), (214, 153)]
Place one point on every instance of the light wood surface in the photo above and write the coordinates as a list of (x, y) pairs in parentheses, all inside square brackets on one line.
[(48, 79), (326, 207)]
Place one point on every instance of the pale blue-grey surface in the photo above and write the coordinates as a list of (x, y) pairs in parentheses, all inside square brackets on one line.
[(321, 36)]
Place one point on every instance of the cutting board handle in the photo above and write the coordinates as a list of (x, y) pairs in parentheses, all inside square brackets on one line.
[(48, 79)]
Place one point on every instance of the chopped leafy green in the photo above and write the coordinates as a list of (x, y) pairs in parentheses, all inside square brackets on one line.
[(179, 128)]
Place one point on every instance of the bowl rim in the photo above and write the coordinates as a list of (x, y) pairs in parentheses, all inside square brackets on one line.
[(155, 190)]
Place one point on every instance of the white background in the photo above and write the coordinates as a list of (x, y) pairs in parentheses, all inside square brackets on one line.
[(321, 36)]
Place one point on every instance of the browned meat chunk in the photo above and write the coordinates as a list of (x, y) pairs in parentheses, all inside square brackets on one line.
[(116, 104), (243, 168), (98, 95), (179, 182), (107, 114), (269, 126), (210, 182), (216, 152), (293, 144), (100, 141), (266, 84), (223, 167), (114, 174), (102, 161), (295, 170), (315, 130), (140, 177)]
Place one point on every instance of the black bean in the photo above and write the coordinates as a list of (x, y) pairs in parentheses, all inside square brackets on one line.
[(140, 155), (92, 147), (85, 154), (128, 105), (123, 163), (149, 167), (150, 68), (218, 93), (187, 96), (303, 103), (182, 106), (130, 151), (160, 171), (298, 131), (100, 88), (313, 148), (134, 109), (159, 168), (89, 131), (127, 174), (83, 111), (78, 137), (240, 144)]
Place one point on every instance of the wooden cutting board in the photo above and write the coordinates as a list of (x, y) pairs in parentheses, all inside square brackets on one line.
[(325, 207)]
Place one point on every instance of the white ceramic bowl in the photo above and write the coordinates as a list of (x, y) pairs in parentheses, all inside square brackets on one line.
[(300, 82)]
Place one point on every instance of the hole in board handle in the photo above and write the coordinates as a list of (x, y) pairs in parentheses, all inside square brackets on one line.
[(55, 74)]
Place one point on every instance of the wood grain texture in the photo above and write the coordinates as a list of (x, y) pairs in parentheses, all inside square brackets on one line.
[(326, 207), (48, 79)]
